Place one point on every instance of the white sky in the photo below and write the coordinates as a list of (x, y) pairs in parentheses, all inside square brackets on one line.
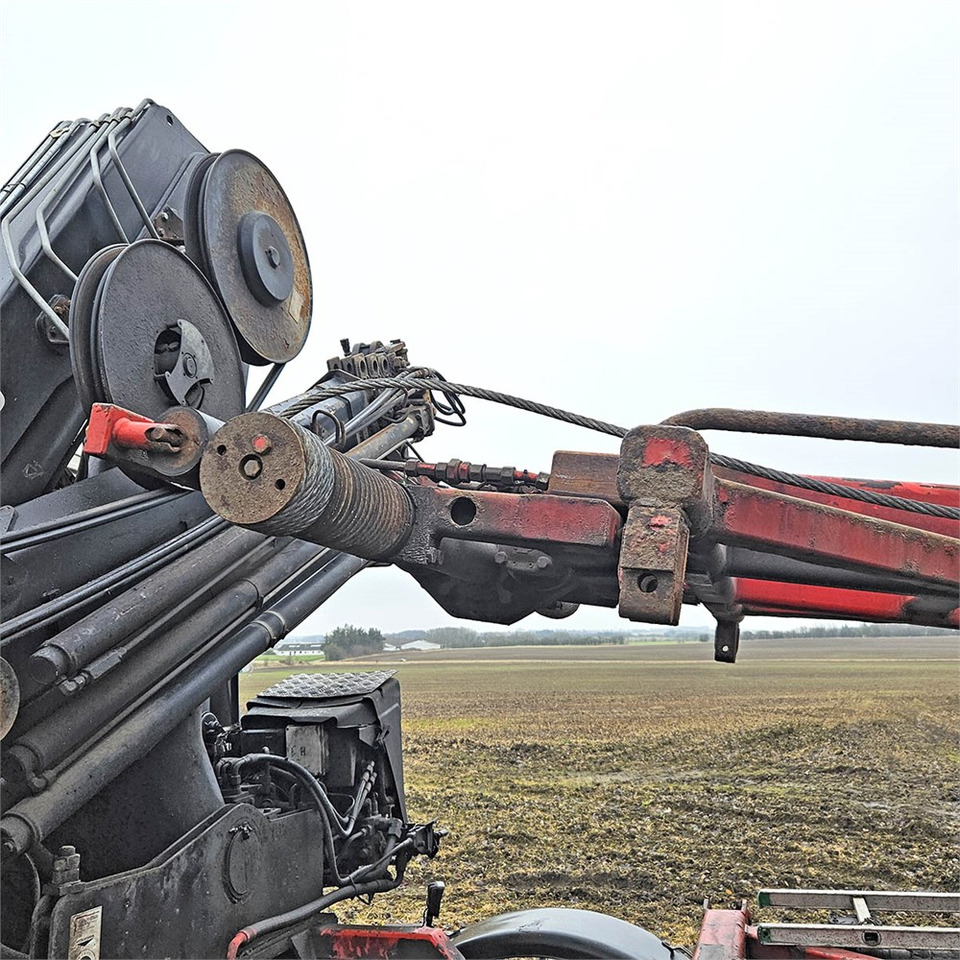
[(626, 210)]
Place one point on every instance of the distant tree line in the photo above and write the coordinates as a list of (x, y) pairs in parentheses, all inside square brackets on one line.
[(348, 641), (851, 630), (458, 637)]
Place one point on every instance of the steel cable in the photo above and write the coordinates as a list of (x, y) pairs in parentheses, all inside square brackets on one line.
[(601, 426), (836, 489)]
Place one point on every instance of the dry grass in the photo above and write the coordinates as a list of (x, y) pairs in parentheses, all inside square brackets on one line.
[(638, 780)]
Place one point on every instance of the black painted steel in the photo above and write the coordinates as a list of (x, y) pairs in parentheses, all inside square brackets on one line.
[(158, 322), (34, 817), (742, 562), (82, 326), (243, 856), (42, 415), (42, 572), (150, 601)]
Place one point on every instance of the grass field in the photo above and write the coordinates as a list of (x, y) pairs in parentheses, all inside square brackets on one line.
[(638, 780)]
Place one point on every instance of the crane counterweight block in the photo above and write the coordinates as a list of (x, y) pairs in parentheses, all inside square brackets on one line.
[(268, 474)]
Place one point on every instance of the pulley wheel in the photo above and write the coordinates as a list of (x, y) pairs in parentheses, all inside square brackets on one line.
[(192, 239), (81, 323), (162, 338), (250, 246)]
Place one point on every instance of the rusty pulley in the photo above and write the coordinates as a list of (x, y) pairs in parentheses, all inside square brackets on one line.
[(244, 235)]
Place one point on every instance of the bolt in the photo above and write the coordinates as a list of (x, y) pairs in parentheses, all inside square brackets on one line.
[(543, 562), (262, 444), (189, 365), (500, 557), (273, 255), (160, 433), (164, 216), (251, 467)]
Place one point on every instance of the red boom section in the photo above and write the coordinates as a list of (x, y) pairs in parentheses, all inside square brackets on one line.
[(772, 599), (750, 516)]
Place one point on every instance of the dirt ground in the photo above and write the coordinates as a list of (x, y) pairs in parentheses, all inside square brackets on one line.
[(639, 780)]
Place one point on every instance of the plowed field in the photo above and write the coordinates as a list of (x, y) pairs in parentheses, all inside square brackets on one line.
[(638, 780)]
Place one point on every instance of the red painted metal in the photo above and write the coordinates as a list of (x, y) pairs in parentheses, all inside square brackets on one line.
[(108, 423), (944, 494), (723, 935), (727, 935), (752, 517), (790, 599), (383, 943), (915, 491), (236, 943), (667, 451), (518, 518), (111, 425)]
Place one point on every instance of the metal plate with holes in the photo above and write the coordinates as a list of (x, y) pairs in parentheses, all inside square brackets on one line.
[(320, 686), (161, 336), (249, 244)]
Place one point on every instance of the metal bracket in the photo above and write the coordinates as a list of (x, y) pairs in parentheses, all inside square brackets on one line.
[(664, 478), (191, 366), (169, 226)]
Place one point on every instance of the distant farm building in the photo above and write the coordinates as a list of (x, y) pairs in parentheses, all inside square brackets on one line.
[(419, 645), (300, 646)]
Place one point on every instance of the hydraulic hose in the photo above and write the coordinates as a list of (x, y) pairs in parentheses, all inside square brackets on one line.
[(30, 820), (308, 910)]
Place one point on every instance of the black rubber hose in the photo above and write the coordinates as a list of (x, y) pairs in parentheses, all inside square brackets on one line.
[(304, 776), (84, 519), (324, 806), (308, 910)]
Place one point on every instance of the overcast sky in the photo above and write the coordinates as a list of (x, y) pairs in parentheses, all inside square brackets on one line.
[(626, 210)]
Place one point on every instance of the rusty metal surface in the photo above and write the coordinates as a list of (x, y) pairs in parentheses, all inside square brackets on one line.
[(748, 516), (381, 943), (944, 525), (594, 475), (653, 561), (664, 477), (723, 935), (247, 487), (941, 493), (669, 465), (826, 427), (509, 518), (499, 556), (235, 185), (273, 476)]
